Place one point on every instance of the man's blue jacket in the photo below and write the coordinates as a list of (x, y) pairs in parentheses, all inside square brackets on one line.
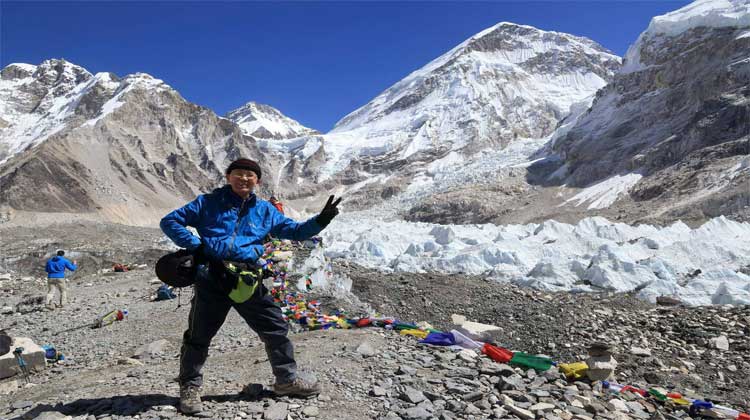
[(231, 228), (56, 267)]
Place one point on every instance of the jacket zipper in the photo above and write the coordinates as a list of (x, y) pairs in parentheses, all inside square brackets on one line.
[(237, 225)]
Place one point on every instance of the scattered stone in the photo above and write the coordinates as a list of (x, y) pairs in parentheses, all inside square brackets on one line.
[(311, 411), (520, 412), (276, 411), (378, 391), (721, 343), (20, 405), (406, 370), (151, 350), (365, 349), (412, 395), (619, 405), (667, 301), (417, 413), (467, 355), (542, 407), (640, 351), (474, 328), (52, 415), (473, 396)]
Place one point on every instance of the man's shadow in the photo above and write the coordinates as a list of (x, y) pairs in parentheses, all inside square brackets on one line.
[(130, 405)]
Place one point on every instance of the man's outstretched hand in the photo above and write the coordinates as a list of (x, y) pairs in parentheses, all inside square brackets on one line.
[(329, 212)]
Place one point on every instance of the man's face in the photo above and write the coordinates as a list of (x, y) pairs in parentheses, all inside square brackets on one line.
[(242, 181)]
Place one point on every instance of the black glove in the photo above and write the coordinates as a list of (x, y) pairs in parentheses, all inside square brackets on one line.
[(199, 255), (216, 269), (329, 212)]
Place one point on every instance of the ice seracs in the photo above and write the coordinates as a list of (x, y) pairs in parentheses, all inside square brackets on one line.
[(698, 266)]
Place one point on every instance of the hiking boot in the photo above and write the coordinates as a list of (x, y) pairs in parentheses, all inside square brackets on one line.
[(298, 388), (190, 400)]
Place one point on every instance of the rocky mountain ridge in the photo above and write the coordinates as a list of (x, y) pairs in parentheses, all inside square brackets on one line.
[(677, 114), (156, 159), (123, 148)]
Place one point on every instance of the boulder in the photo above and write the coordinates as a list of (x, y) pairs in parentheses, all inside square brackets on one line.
[(32, 354), (474, 328), (601, 368)]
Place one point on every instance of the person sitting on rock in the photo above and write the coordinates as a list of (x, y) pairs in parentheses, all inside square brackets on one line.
[(231, 222), (55, 268)]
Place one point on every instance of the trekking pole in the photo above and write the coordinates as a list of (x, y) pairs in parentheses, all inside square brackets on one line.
[(22, 363), (80, 327)]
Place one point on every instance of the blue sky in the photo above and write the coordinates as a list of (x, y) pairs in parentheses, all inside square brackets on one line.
[(314, 61)]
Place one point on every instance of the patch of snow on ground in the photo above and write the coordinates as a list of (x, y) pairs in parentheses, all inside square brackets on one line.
[(594, 254), (603, 194)]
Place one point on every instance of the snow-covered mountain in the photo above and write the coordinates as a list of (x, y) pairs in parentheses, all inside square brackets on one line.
[(507, 83), (123, 148), (503, 128), (673, 127), (266, 122)]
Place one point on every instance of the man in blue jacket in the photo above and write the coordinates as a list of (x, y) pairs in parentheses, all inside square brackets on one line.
[(232, 222), (55, 268)]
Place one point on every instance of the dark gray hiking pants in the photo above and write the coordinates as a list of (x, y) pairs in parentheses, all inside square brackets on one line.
[(209, 309)]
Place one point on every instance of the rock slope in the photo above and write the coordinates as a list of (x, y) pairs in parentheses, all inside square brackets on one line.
[(677, 113), (123, 148)]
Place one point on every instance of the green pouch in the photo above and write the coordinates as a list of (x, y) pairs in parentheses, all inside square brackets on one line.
[(247, 283)]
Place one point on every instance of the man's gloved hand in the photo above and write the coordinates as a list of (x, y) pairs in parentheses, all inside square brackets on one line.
[(329, 212), (199, 255), (219, 273)]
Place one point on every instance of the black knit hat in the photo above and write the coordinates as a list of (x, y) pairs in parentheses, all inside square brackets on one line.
[(243, 163)]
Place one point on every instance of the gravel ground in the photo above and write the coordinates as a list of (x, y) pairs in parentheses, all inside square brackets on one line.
[(365, 373), (563, 325)]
